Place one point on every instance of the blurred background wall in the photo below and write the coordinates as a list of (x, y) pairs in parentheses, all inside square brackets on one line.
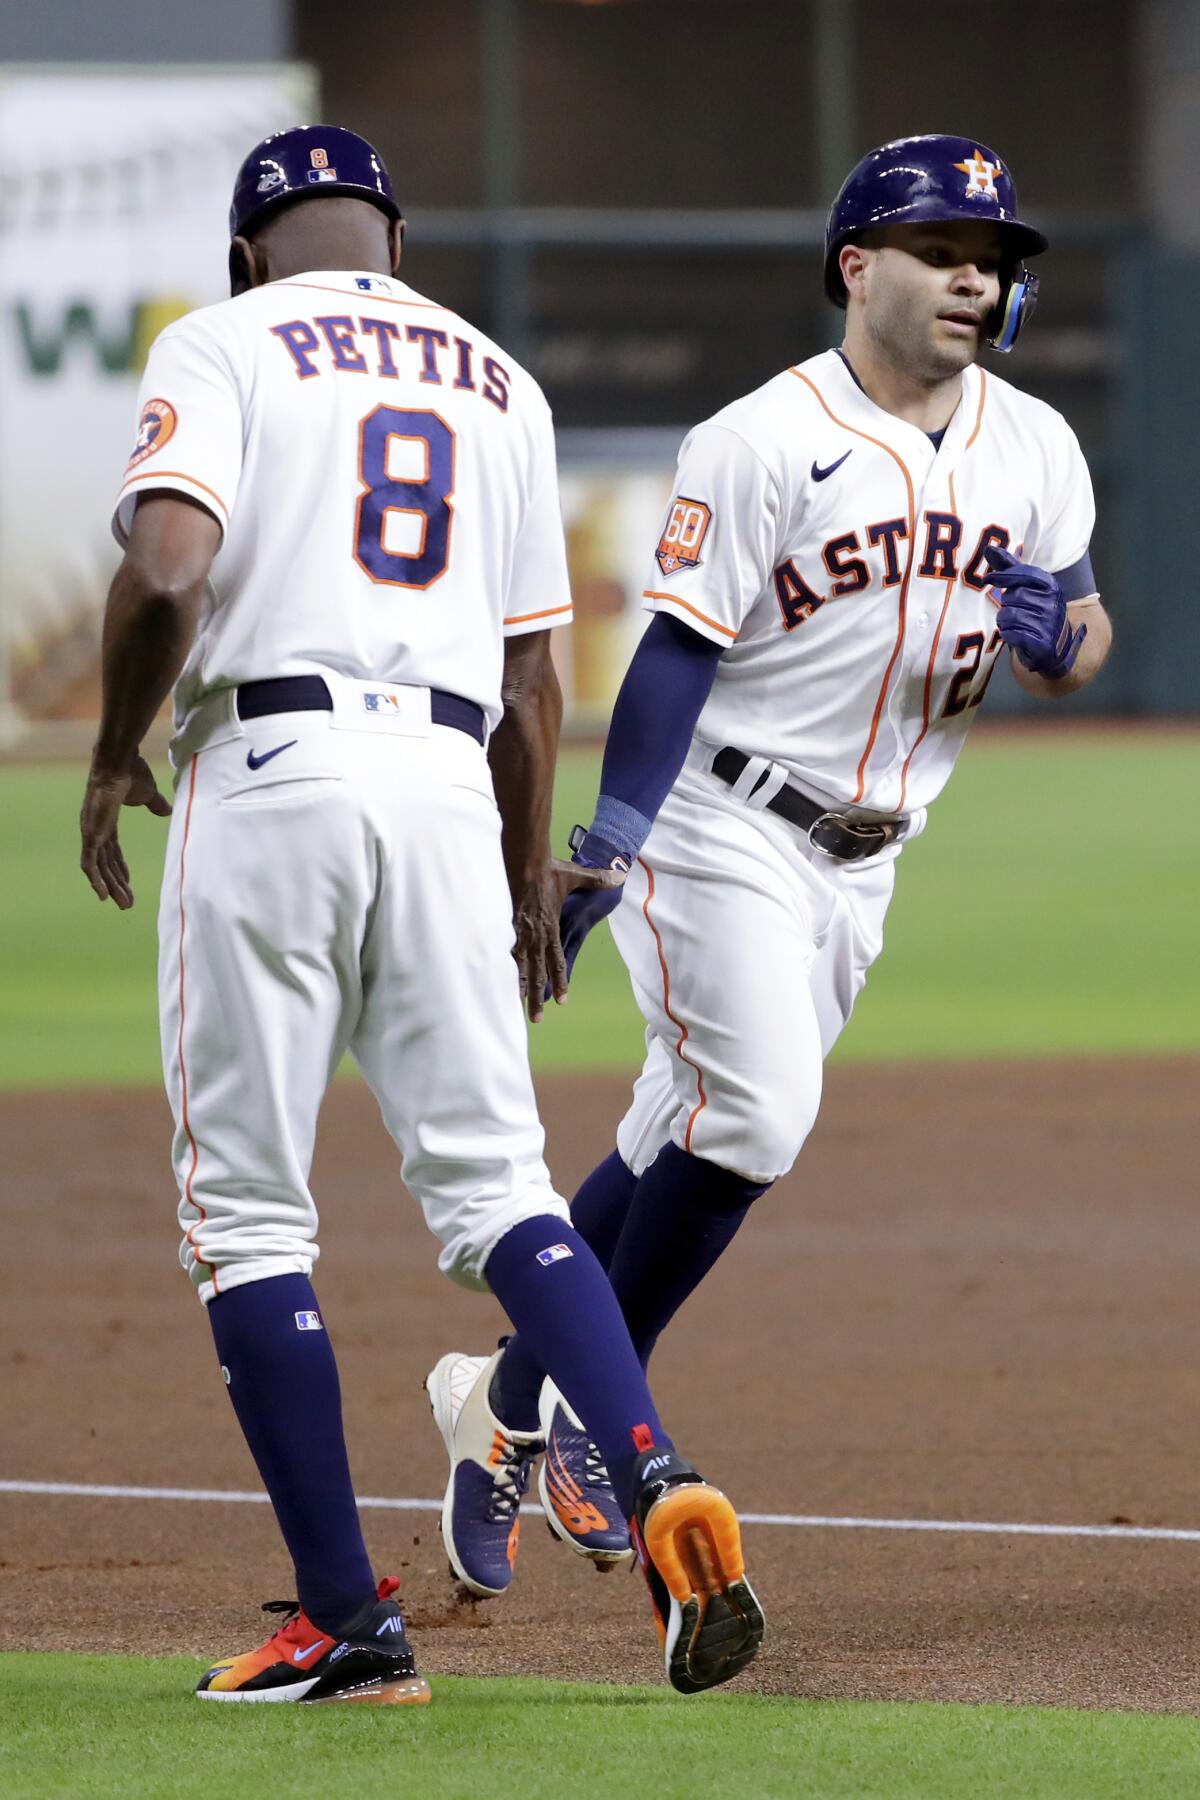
[(630, 193)]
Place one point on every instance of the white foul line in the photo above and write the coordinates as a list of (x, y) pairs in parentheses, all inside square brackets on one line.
[(797, 1521)]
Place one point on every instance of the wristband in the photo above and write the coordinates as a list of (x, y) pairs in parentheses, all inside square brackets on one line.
[(620, 825)]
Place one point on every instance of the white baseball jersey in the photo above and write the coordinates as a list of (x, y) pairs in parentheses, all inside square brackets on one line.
[(384, 477), (839, 557)]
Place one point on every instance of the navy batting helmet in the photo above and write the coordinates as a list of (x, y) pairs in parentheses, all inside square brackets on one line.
[(938, 179), (307, 161)]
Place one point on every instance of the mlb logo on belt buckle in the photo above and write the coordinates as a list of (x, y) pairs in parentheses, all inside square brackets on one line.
[(399, 710)]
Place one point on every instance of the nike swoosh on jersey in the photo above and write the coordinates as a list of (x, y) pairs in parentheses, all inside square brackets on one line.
[(303, 1655), (820, 474), (256, 762)]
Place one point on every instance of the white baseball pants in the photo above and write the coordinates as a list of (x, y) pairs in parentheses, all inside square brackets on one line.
[(348, 893), (746, 949)]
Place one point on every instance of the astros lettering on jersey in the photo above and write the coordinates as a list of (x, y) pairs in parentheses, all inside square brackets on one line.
[(839, 557)]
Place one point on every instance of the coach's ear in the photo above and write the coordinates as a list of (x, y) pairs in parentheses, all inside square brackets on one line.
[(395, 242), (247, 266)]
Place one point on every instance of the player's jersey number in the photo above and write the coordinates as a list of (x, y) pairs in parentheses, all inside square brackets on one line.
[(426, 495), (970, 651)]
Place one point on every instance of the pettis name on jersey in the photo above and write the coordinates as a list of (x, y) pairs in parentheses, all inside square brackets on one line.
[(361, 345)]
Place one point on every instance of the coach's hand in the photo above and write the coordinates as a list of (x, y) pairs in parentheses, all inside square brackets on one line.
[(102, 860), (541, 959), (1033, 618)]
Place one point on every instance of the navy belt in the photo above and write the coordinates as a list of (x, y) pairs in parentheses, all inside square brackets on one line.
[(832, 833), (308, 693)]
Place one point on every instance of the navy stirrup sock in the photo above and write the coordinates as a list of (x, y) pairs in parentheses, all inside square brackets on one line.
[(685, 1213), (282, 1378), (557, 1295), (598, 1212)]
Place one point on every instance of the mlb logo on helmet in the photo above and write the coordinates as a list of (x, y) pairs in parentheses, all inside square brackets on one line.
[(555, 1253), (682, 541), (156, 425)]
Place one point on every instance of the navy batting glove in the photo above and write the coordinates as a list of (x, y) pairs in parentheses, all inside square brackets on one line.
[(1033, 618), (586, 907)]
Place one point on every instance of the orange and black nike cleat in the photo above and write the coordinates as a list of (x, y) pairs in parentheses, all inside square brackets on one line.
[(689, 1544), (371, 1662)]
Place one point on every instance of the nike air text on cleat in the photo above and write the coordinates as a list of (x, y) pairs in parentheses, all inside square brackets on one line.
[(489, 1473), (573, 1486), (689, 1544), (371, 1662)]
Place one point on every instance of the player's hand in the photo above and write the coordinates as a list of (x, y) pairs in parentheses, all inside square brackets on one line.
[(1033, 618), (102, 859), (541, 961), (586, 906)]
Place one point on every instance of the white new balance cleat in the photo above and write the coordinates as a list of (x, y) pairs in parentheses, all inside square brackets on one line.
[(490, 1468)]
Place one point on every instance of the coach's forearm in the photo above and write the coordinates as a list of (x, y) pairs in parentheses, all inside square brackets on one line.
[(1092, 654), (522, 754), (147, 634)]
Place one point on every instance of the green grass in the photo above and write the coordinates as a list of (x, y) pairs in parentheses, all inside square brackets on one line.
[(1048, 909), (90, 1726)]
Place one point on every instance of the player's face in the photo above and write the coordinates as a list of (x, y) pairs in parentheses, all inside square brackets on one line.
[(928, 291)]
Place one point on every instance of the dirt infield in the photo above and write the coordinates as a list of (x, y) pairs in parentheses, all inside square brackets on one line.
[(975, 1300)]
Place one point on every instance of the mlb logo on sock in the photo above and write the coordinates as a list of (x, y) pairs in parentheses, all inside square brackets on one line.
[(554, 1254), (309, 1321)]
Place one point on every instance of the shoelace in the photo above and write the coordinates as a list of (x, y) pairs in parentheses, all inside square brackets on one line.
[(291, 1607), (387, 1587), (509, 1483)]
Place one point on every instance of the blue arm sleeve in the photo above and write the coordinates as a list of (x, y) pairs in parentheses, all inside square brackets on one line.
[(661, 698)]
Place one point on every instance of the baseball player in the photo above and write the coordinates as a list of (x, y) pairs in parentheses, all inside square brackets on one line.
[(343, 548), (849, 551)]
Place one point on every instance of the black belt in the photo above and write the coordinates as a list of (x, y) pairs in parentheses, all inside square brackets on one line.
[(832, 833), (308, 693)]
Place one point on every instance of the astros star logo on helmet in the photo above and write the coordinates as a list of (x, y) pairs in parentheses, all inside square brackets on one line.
[(981, 175)]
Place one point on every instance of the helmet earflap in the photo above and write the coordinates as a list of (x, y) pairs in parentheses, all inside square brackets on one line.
[(1017, 302)]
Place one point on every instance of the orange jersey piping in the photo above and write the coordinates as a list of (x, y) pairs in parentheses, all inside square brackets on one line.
[(551, 612), (979, 414), (173, 475), (951, 584), (903, 602), (318, 287), (702, 1102), (652, 594)]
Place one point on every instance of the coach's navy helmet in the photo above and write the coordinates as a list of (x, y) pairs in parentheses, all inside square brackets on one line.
[(936, 179), (309, 160)]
